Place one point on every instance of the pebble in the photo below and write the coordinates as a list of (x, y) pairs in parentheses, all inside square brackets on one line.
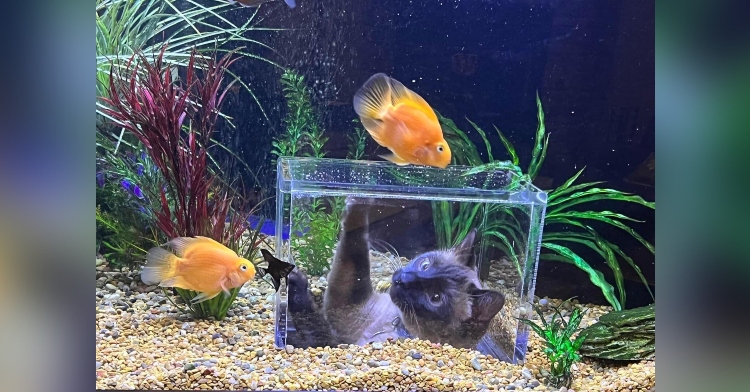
[(166, 349)]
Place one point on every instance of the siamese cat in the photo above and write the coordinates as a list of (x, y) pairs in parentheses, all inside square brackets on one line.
[(437, 296)]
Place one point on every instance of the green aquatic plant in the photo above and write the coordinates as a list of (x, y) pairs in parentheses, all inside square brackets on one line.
[(316, 224), (126, 27), (566, 227), (357, 142), (319, 229), (560, 347), (124, 224), (303, 136), (174, 120)]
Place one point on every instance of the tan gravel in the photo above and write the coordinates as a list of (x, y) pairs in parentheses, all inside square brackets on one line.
[(143, 343)]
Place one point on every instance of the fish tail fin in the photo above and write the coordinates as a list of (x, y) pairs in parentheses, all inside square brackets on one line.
[(160, 265), (277, 269), (374, 97), (371, 102)]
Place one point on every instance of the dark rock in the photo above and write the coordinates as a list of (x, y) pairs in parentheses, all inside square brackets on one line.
[(624, 335)]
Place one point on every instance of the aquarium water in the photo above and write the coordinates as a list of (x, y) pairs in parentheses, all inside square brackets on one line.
[(420, 209)]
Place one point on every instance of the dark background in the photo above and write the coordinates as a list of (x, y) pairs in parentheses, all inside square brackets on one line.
[(591, 62)]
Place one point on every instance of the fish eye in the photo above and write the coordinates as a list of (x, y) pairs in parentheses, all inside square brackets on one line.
[(424, 265), (243, 267), (440, 148)]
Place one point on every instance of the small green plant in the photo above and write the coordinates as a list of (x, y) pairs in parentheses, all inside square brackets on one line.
[(314, 247), (565, 225), (124, 27), (304, 136), (357, 142), (315, 226), (560, 347), (125, 185)]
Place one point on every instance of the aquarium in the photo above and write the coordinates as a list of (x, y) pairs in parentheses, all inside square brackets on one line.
[(393, 195), (388, 252)]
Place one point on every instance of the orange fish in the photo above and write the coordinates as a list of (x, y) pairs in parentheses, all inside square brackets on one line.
[(402, 121), (204, 265)]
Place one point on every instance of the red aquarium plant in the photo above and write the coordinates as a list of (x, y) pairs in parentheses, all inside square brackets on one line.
[(175, 119)]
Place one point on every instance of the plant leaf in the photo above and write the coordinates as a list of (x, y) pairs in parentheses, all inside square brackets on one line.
[(597, 278), (540, 142), (508, 147)]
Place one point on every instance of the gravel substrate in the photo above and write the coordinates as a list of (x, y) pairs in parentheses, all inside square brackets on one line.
[(143, 342)]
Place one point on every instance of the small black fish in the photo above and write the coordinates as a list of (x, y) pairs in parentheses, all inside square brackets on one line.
[(276, 268)]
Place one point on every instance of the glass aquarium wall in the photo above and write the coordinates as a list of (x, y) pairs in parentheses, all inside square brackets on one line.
[(406, 252)]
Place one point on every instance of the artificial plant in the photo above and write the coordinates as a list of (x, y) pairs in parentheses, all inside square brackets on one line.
[(560, 348), (125, 27), (566, 226), (315, 225), (174, 120), (125, 227)]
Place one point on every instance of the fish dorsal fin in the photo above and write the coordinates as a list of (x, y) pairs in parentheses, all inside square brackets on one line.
[(374, 97), (402, 95), (183, 245)]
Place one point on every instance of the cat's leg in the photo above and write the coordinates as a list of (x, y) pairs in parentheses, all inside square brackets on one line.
[(349, 280), (309, 326)]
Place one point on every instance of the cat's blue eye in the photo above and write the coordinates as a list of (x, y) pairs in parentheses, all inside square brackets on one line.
[(424, 264)]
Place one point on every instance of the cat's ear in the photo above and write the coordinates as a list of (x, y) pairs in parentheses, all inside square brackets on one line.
[(485, 305), (464, 250)]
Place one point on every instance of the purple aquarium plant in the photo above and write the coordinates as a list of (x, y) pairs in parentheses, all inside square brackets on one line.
[(174, 120)]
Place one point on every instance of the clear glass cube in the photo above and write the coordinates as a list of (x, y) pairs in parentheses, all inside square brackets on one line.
[(405, 212)]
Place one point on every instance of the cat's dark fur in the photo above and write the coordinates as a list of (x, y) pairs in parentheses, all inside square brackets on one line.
[(437, 296)]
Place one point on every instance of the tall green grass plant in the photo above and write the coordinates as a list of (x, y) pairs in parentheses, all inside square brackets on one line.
[(568, 224)]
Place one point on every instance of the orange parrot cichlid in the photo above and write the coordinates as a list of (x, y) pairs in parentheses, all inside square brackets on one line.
[(402, 121), (206, 266)]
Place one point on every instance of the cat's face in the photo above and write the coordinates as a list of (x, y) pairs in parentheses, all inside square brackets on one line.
[(440, 296)]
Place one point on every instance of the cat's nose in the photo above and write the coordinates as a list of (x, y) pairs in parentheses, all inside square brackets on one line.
[(400, 277)]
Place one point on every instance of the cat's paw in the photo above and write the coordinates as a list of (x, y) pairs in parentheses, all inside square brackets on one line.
[(300, 297), (357, 211)]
